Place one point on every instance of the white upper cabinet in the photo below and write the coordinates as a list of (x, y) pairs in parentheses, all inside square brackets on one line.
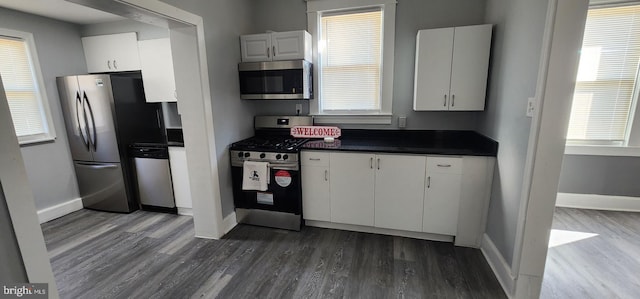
[(157, 70), (451, 68), (290, 45), (111, 53)]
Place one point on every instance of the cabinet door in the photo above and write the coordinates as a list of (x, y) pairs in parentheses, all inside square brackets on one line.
[(97, 51), (290, 45), (111, 53), (352, 185), (316, 204), (471, 47), (125, 52), (434, 50), (157, 70), (399, 192), (441, 202), (180, 177), (255, 47)]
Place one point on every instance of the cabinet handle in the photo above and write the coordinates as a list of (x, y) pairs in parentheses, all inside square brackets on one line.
[(445, 101), (378, 163), (371, 162), (115, 64), (109, 64), (268, 52), (444, 165), (453, 100), (429, 182), (325, 175), (314, 159), (273, 51)]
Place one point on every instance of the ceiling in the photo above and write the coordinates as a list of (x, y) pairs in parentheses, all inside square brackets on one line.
[(61, 10)]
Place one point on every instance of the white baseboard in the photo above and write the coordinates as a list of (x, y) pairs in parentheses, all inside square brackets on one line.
[(229, 222), (598, 202), (499, 265), (60, 210), (377, 230), (185, 211)]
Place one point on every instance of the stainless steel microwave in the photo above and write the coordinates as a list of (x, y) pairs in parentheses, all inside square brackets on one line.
[(276, 80)]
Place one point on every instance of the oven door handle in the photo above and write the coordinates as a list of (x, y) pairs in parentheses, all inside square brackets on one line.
[(285, 166)]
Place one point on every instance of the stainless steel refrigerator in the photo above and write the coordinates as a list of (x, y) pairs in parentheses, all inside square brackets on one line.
[(103, 115)]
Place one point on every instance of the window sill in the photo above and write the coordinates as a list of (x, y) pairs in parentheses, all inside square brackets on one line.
[(35, 141), (378, 119), (602, 150)]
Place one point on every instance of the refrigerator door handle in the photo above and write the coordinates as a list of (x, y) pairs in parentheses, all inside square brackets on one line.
[(97, 166), (93, 122), (84, 138)]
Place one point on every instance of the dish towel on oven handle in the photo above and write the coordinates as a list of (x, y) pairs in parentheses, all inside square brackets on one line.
[(255, 175)]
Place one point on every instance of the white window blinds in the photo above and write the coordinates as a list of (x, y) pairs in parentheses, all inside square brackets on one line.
[(607, 73), (351, 61), (21, 88)]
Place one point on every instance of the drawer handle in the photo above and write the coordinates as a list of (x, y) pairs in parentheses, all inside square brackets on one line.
[(444, 165), (314, 159)]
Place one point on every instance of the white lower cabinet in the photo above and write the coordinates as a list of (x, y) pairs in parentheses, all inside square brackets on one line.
[(352, 185), (180, 179), (425, 196), (316, 203), (442, 195), (399, 192)]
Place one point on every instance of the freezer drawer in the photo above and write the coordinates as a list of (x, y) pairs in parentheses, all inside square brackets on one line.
[(102, 187), (154, 182)]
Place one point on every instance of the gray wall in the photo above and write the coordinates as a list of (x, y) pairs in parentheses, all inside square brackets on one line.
[(604, 175), (411, 15), (515, 55), (145, 31), (12, 269), (224, 22), (49, 165)]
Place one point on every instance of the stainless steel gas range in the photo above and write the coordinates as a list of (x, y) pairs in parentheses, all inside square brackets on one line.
[(280, 205)]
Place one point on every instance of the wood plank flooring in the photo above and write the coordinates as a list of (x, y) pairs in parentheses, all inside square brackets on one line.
[(605, 263), (153, 255)]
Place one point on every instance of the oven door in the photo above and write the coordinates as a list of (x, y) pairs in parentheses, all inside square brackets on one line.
[(284, 193)]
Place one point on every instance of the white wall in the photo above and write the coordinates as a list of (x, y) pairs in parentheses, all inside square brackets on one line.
[(144, 31), (49, 166), (517, 42)]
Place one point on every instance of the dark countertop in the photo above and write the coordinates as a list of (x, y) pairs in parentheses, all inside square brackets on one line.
[(466, 143)]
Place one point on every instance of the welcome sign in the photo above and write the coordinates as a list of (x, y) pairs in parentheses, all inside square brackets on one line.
[(315, 132)]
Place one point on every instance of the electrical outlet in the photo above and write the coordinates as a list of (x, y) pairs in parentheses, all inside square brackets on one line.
[(298, 109), (531, 106), (402, 121)]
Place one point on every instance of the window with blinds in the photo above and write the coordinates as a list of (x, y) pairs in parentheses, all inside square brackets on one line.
[(350, 55), (607, 76), (21, 88)]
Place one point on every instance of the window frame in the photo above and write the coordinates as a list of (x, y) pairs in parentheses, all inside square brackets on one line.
[(630, 147), (49, 133), (315, 8)]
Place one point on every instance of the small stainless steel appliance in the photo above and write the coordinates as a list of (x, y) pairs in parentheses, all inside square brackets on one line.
[(276, 80), (280, 205), (153, 176)]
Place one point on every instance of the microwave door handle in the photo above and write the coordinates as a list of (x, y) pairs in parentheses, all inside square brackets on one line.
[(79, 105)]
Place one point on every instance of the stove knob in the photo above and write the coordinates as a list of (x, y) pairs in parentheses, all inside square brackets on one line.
[(246, 155), (278, 156), (262, 156), (285, 157), (240, 154)]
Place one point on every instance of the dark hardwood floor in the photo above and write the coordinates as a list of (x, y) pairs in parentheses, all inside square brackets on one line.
[(602, 262), (152, 255)]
